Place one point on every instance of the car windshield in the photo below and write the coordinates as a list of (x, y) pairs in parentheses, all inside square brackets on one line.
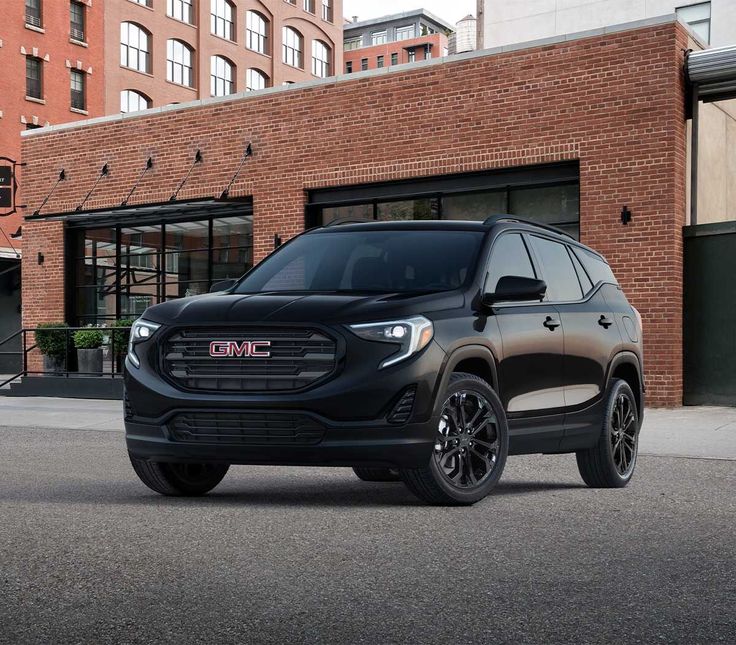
[(375, 261)]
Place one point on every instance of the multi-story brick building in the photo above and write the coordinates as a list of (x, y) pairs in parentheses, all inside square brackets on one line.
[(577, 132), (173, 51), (394, 40), (51, 57)]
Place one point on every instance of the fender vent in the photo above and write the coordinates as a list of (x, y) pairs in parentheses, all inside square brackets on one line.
[(404, 407)]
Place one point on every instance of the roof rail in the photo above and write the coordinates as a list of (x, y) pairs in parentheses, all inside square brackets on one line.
[(500, 219), (347, 220)]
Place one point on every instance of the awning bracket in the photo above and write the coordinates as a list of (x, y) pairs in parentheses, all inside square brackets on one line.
[(149, 165), (197, 159), (104, 172), (61, 177), (247, 153)]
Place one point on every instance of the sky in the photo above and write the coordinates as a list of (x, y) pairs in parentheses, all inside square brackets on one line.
[(449, 10)]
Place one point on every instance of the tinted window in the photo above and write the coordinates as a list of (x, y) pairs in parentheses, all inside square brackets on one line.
[(559, 272), (597, 268), (509, 257), (582, 275), (369, 261)]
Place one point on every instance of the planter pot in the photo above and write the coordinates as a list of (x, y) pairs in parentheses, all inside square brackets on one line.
[(90, 361), (53, 365)]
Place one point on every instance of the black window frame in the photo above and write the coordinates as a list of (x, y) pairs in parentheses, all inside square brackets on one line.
[(34, 13), (34, 86), (78, 97), (542, 268), (78, 22)]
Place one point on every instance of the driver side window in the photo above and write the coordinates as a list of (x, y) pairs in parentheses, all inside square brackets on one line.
[(509, 257)]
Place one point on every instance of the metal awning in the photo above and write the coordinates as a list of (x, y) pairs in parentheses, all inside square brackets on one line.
[(162, 211), (713, 73)]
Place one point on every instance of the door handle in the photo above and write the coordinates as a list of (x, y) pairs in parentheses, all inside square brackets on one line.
[(551, 323), (605, 322)]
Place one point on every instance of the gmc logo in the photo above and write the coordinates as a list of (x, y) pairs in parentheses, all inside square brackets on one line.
[(233, 349)]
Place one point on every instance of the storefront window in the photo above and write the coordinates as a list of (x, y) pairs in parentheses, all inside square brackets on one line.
[(120, 271)]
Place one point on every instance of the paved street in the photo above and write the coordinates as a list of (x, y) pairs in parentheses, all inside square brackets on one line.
[(88, 555)]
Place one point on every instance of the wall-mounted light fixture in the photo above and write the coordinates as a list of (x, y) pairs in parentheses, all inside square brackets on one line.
[(40, 257), (625, 215), (276, 241)]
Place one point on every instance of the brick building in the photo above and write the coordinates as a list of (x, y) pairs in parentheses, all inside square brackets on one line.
[(51, 57), (569, 132), (394, 40)]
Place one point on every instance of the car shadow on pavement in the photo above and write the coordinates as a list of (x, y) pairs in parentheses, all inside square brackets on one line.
[(270, 493)]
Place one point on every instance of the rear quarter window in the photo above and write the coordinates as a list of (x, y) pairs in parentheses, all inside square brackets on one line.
[(595, 266)]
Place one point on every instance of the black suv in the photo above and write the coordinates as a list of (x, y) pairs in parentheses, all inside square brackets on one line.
[(425, 351)]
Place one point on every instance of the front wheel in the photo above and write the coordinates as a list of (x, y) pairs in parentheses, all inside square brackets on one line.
[(611, 462), (182, 480), (470, 448)]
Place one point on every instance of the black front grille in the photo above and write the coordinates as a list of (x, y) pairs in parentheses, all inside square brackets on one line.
[(298, 357), (246, 428)]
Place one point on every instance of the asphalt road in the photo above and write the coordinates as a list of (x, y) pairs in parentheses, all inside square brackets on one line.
[(88, 555)]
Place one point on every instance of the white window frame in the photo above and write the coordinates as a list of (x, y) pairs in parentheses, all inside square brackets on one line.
[(179, 65), (222, 76), (293, 48), (321, 59), (133, 101), (222, 19), (135, 50), (255, 80), (256, 32), (182, 10), (407, 32), (353, 43), (379, 37), (697, 23)]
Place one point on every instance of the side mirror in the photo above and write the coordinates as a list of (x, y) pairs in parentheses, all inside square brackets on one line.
[(514, 288), (223, 285)]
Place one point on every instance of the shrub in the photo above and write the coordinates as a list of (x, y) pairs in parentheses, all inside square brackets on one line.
[(88, 339), (52, 340), (121, 336)]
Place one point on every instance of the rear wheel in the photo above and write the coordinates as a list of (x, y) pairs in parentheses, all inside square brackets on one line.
[(470, 448), (184, 480), (377, 474), (611, 462)]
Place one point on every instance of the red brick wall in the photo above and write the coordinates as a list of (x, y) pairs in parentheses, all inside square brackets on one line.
[(614, 102)]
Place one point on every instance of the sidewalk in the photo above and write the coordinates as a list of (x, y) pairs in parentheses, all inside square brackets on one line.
[(697, 432)]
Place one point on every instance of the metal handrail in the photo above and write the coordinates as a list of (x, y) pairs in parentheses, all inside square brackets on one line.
[(116, 357)]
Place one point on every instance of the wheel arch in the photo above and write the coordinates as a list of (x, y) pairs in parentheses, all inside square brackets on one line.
[(473, 359), (626, 366)]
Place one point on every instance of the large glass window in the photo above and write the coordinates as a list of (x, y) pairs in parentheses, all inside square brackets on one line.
[(179, 63), (181, 10), (406, 33), (121, 270), (221, 76), (255, 80), (132, 101), (256, 35), (327, 12), (221, 19), (353, 43), (321, 55), (293, 47), (134, 47), (378, 37), (558, 270), (698, 17)]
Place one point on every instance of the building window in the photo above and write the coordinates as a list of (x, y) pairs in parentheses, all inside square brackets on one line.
[(34, 77), (78, 90), (363, 64), (179, 63), (76, 21), (33, 126), (379, 61), (132, 101), (255, 80), (406, 33), (412, 55), (378, 38), (327, 10), (698, 17), (293, 47), (34, 16), (394, 59), (352, 43), (309, 5), (134, 49), (321, 55), (180, 10), (221, 76), (221, 19), (145, 3), (427, 52), (256, 35), (349, 67)]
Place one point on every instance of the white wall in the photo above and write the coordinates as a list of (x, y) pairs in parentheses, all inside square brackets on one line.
[(507, 22)]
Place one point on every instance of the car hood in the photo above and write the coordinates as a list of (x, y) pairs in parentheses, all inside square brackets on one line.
[(312, 308)]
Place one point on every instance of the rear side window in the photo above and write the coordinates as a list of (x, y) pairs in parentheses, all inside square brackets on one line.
[(585, 282), (559, 272), (597, 268), (509, 257)]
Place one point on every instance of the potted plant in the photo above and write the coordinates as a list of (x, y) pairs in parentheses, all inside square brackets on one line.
[(120, 338), (53, 342), (89, 350)]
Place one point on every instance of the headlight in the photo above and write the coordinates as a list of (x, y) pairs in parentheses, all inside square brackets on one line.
[(141, 331), (412, 334)]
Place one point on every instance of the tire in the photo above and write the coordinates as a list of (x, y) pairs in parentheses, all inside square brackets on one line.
[(377, 474), (451, 476), (611, 462), (179, 480)]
